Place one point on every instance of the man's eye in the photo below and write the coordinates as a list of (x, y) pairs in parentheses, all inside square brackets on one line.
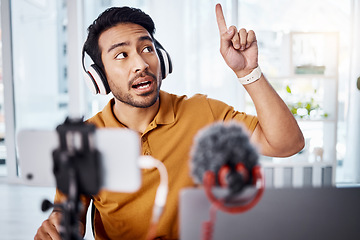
[(148, 49), (121, 56)]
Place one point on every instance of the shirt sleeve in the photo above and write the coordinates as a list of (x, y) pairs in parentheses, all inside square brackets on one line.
[(224, 112)]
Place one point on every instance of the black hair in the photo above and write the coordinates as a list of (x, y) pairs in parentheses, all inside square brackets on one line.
[(110, 18)]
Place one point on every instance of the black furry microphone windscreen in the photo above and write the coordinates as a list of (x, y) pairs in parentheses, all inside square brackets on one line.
[(222, 143)]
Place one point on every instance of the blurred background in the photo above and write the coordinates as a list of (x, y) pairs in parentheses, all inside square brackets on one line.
[(308, 51)]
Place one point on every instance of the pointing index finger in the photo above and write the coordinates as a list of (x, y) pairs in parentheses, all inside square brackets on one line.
[(220, 18)]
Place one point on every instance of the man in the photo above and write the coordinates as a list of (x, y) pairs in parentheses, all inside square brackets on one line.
[(122, 45)]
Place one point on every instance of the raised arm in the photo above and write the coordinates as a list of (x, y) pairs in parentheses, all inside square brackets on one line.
[(277, 133)]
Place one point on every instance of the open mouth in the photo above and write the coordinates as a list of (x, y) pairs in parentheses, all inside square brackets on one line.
[(142, 85)]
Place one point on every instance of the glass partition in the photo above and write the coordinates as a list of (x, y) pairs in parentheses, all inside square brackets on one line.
[(39, 63), (39, 59)]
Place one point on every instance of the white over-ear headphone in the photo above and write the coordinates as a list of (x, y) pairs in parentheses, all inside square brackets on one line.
[(96, 80)]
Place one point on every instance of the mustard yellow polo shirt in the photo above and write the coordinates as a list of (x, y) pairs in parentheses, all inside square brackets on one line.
[(168, 138)]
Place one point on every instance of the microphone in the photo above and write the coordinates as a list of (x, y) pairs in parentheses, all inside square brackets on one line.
[(224, 149), (222, 155)]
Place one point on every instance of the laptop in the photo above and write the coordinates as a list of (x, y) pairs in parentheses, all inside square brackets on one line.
[(119, 150), (291, 213)]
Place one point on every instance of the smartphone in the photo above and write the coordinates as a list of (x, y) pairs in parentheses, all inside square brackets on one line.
[(119, 155)]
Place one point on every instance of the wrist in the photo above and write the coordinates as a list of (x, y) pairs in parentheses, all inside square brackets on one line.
[(250, 77), (243, 73)]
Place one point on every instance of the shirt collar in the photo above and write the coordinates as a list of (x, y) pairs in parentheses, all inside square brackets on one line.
[(166, 113), (109, 117)]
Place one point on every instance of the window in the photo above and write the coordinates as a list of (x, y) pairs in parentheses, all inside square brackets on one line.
[(308, 34), (37, 72), (39, 63)]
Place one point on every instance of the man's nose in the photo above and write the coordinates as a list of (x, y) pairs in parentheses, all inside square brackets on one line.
[(139, 63)]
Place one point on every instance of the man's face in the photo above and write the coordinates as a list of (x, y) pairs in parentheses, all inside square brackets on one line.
[(131, 64)]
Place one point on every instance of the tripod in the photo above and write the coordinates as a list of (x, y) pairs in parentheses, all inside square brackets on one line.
[(77, 172)]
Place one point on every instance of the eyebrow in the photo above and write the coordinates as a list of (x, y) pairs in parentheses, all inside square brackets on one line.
[(141, 39)]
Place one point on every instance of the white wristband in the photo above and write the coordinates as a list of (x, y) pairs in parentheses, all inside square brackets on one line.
[(251, 77)]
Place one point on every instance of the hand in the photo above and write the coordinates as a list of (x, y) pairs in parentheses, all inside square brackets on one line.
[(238, 48), (49, 229)]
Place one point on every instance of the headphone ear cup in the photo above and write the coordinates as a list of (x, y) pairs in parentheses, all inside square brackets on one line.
[(90, 82), (165, 62), (96, 80)]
